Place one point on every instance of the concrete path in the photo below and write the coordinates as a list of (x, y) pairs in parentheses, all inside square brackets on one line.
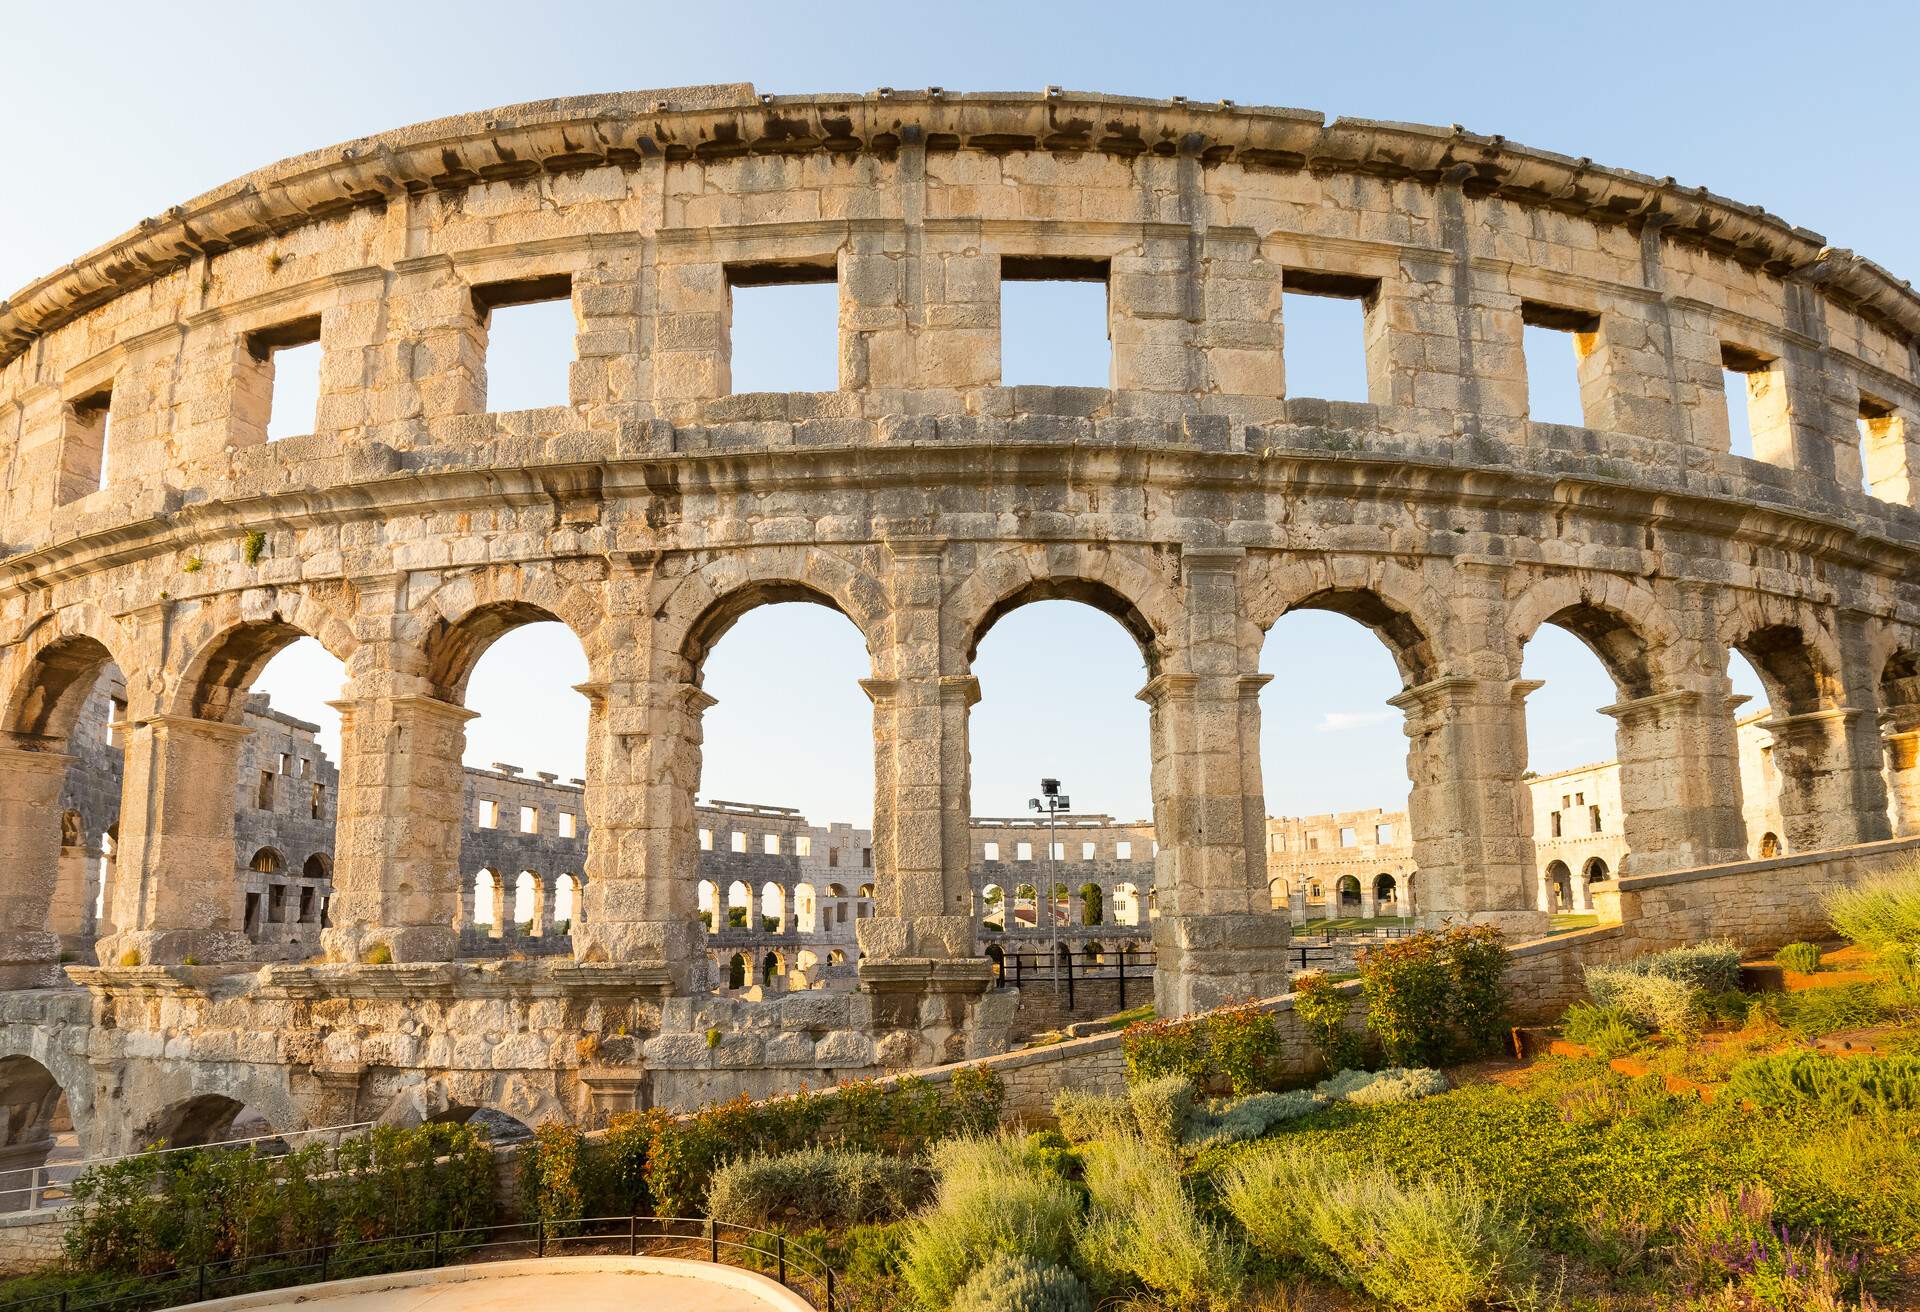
[(575, 1284)]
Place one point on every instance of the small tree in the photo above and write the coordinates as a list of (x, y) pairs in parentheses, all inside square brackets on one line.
[(1092, 909)]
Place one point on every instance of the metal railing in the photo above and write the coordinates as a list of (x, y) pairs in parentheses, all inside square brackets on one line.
[(37, 1188), (794, 1266)]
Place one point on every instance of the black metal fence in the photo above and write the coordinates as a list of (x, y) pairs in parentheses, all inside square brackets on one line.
[(1117, 966), (797, 1268)]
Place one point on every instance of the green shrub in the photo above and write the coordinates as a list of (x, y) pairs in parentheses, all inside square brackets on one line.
[(1839, 1084), (683, 1152), (1165, 1047), (1476, 957), (1392, 1086), (1243, 1046), (1323, 1007), (1160, 1108), (1237, 1119), (1609, 1031), (815, 1186), (1142, 1225), (1813, 1012), (1011, 1283), (974, 1099), (989, 1200), (1087, 1116), (1441, 1243), (1652, 1002), (1878, 912), (550, 1176), (1801, 958), (1406, 982)]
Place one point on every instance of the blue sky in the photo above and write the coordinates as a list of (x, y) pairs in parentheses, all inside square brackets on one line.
[(117, 117)]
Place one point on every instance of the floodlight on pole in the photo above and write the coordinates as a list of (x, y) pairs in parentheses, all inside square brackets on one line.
[(1051, 803)]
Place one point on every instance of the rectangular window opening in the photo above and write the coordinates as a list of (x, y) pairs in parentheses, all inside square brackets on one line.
[(1748, 377), (1086, 851), (706, 840), (288, 377), (738, 841), (489, 814), (1023, 851), (569, 825), (530, 329), (784, 327), (1053, 322), (1349, 837), (1323, 318), (263, 799), (1554, 339), (1593, 819), (803, 845), (1383, 835), (1882, 454), (1123, 851), (990, 852), (319, 802), (771, 845), (85, 446), (1556, 824), (529, 820)]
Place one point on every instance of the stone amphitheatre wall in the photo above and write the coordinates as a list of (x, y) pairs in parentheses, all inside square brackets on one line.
[(1196, 498)]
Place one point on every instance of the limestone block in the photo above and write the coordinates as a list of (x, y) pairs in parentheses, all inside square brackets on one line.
[(844, 1049)]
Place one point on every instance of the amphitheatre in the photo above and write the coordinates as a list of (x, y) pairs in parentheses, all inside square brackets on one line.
[(153, 542)]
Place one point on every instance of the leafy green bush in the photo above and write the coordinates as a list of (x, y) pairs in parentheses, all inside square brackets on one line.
[(1323, 1007), (1242, 1047), (1609, 1031), (1813, 1012), (1154, 1048), (1391, 1086), (1142, 1226), (815, 1186), (1160, 1108), (1011, 1283), (1441, 1243), (1406, 982), (1879, 912), (550, 1174), (1801, 958), (1840, 1084), (1087, 1116), (1237, 1119), (990, 1199), (1476, 957), (152, 1213)]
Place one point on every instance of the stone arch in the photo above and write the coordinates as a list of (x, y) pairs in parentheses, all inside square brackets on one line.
[(739, 898), (487, 894), (228, 643), (208, 1115), (772, 966), (1386, 889), (1595, 870), (1770, 845), (317, 866), (993, 907), (707, 900), (1347, 892), (737, 971), (267, 861), (54, 679), (1277, 895), (772, 894), (1390, 600), (529, 891), (1794, 654), (568, 884), (1557, 887), (701, 608), (1110, 582), (1620, 621), (464, 618)]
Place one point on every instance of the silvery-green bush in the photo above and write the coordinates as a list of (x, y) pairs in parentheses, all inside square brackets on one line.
[(1012, 1283), (821, 1186)]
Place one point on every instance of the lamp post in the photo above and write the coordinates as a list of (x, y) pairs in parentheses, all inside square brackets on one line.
[(1051, 803)]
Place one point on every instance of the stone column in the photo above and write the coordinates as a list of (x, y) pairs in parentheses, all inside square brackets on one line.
[(1679, 780), (1368, 907), (1582, 895), (1217, 936), (640, 907), (396, 875), (1297, 904), (1472, 826), (1903, 771), (174, 893), (919, 941), (29, 865), (1820, 789)]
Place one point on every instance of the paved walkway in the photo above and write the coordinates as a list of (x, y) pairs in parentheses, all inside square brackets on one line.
[(572, 1284)]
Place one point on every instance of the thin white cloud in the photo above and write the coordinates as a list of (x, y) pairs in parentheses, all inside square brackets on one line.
[(1341, 721)]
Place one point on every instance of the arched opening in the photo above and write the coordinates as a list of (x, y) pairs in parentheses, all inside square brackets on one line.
[(566, 903), (999, 959), (1386, 895), (1126, 904), (772, 967), (1060, 664), (1559, 887), (1277, 895), (207, 1118), (1584, 658), (518, 669), (526, 905), (773, 908), (289, 772), (1760, 774), (1900, 729), (707, 898), (737, 971), (739, 905), (1595, 870), (1333, 748), (498, 1126), (806, 909), (993, 909), (39, 1127), (487, 913)]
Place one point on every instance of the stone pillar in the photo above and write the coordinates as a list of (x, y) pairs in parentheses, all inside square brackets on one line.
[(1821, 793), (919, 941), (1903, 774), (397, 880), (1217, 937), (1582, 895), (174, 893), (1368, 907), (29, 865), (1297, 904), (1679, 780), (1468, 809), (640, 906)]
